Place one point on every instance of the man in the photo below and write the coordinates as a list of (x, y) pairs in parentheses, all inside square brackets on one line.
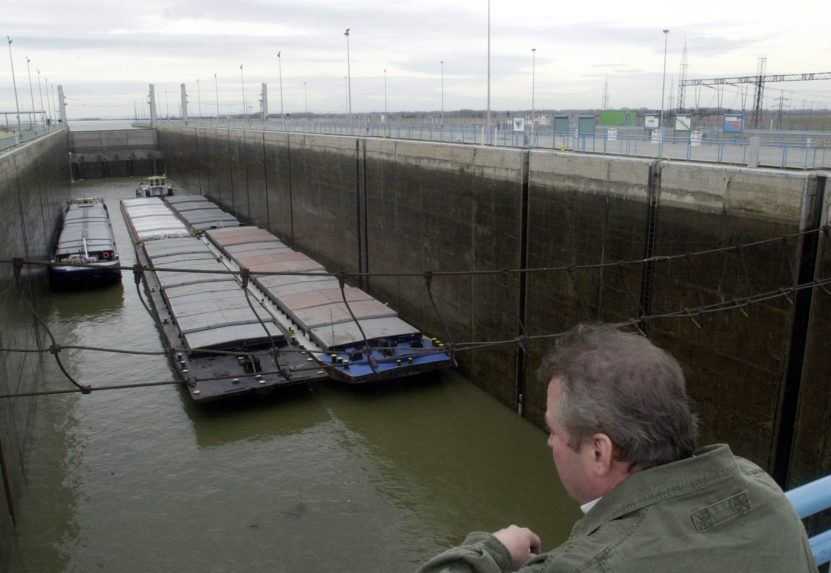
[(623, 440)]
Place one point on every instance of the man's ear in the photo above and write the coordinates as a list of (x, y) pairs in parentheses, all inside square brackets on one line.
[(603, 454)]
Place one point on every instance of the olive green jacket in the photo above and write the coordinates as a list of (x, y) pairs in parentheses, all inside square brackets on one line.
[(708, 513)]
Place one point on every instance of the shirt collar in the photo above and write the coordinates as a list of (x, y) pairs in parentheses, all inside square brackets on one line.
[(587, 507)]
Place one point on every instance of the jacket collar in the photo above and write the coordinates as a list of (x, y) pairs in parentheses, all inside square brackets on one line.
[(644, 488)]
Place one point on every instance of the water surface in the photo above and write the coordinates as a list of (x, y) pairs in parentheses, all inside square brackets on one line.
[(329, 478)]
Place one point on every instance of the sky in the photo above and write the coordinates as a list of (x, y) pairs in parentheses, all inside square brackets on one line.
[(105, 53)]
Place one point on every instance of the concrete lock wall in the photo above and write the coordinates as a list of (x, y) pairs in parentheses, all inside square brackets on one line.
[(378, 205), (34, 184), (114, 153)]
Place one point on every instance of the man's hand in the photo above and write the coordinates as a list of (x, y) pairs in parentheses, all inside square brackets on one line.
[(521, 543)]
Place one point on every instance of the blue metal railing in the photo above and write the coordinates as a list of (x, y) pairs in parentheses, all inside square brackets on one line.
[(780, 151), (809, 499)]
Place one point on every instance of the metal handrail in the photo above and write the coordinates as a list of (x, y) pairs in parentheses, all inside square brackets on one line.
[(808, 500)]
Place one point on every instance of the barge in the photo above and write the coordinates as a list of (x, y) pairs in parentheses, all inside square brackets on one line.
[(86, 238), (354, 336), (222, 341)]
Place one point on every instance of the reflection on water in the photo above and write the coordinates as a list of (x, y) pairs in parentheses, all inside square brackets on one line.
[(330, 478)]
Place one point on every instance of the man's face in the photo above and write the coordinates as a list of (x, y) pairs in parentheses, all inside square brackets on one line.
[(572, 466)]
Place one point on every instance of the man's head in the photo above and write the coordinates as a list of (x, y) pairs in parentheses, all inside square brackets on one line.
[(616, 404)]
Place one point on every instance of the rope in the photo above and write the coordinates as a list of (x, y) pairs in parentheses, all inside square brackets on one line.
[(481, 272)]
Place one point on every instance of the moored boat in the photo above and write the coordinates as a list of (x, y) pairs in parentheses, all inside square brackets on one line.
[(85, 254), (155, 186), (223, 342), (352, 335)]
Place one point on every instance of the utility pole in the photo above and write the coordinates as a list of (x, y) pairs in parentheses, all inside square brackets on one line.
[(605, 101), (663, 88), (488, 114), (533, 89), (216, 85), (760, 92), (282, 112), (348, 76), (442, 92), (40, 91), (31, 91), (683, 79), (183, 96), (242, 85), (14, 85), (48, 99)]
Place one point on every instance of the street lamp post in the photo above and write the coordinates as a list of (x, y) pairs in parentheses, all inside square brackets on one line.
[(14, 85), (216, 86), (31, 91), (442, 92), (40, 92), (306, 98), (348, 76), (386, 104), (242, 86), (533, 90), (663, 86), (488, 115), (280, 67), (48, 99), (199, 97)]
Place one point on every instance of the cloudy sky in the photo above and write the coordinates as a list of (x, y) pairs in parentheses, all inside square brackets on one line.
[(105, 52)]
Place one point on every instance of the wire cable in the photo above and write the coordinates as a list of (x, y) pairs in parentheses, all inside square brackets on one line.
[(468, 272)]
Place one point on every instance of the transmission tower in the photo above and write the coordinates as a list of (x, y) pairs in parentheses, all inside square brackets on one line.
[(759, 80), (760, 92), (606, 93), (682, 78)]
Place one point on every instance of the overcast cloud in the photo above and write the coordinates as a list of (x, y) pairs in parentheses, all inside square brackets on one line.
[(105, 52)]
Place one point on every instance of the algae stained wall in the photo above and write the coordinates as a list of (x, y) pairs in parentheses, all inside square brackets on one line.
[(380, 206), (34, 184)]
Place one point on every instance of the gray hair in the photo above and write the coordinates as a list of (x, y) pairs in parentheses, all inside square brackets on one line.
[(622, 385)]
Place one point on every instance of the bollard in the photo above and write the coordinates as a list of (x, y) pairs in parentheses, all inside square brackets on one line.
[(753, 152)]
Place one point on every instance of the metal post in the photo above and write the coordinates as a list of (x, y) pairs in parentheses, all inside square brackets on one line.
[(663, 86), (40, 91), (62, 106), (14, 85), (282, 113), (533, 73), (348, 77), (31, 91), (199, 97), (306, 98), (216, 86), (442, 93), (48, 99), (242, 86), (488, 115)]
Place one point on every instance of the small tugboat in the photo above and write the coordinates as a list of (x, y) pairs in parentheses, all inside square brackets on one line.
[(86, 238), (155, 186)]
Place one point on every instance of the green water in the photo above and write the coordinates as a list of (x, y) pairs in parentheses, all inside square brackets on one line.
[(330, 478)]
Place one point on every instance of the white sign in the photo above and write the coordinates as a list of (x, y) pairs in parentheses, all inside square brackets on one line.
[(611, 134), (519, 124), (695, 138), (683, 123), (650, 122)]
